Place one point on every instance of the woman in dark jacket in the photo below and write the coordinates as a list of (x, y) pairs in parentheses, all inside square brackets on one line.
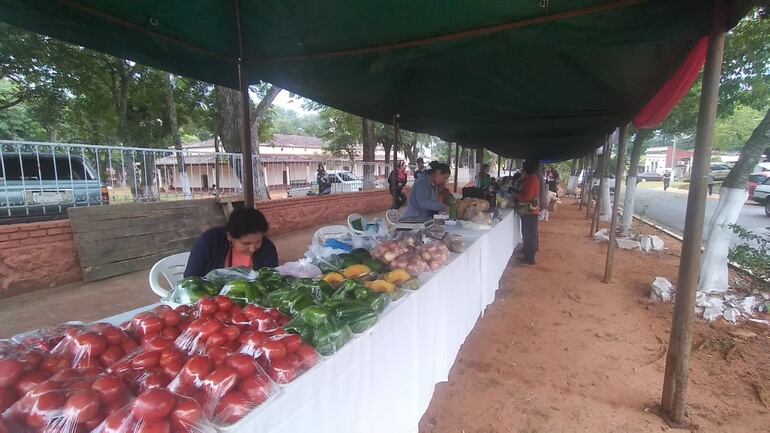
[(241, 243)]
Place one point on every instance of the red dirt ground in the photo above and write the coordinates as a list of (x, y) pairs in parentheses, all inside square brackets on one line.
[(560, 351)]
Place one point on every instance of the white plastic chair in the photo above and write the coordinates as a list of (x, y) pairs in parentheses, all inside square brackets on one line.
[(392, 216), (330, 232), (356, 216), (172, 270)]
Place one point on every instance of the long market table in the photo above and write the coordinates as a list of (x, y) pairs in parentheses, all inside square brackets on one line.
[(383, 380)]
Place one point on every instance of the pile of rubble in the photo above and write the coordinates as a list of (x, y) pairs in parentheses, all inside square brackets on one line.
[(644, 243)]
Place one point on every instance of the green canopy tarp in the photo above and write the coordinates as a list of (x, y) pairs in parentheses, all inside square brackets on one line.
[(536, 77)]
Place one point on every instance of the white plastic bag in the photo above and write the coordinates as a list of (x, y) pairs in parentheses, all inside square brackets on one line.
[(302, 268)]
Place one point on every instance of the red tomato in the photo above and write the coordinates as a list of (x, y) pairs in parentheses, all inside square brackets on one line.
[(282, 371), (158, 343), (154, 404), (255, 339), (207, 306), (54, 363), (196, 325), (8, 397), (109, 388), (10, 371), (251, 311), (196, 369), (292, 342), (82, 406), (231, 332), (118, 422), (275, 314), (30, 360), (218, 355), (232, 407), (170, 317), (220, 381), (216, 339), (244, 365), (50, 400), (256, 390), (152, 379), (30, 380), (87, 362), (36, 421), (185, 415), (307, 356), (222, 316), (184, 310), (170, 332), (274, 350), (235, 309), (223, 303), (151, 325), (111, 356), (172, 369), (93, 344), (170, 355), (153, 426), (240, 319), (146, 360), (128, 345), (65, 375), (114, 406), (210, 327), (183, 327), (113, 335)]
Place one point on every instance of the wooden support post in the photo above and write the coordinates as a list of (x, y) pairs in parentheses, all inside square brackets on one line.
[(396, 138), (616, 203), (673, 400), (457, 163), (499, 162), (603, 164), (247, 174), (588, 184)]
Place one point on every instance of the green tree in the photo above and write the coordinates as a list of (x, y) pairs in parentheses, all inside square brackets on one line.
[(341, 133)]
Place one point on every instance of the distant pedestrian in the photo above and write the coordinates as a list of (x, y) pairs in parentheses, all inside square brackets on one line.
[(322, 179), (666, 180), (421, 170), (711, 184), (397, 182)]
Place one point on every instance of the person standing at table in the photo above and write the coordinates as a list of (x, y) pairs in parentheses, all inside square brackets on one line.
[(421, 170), (397, 181), (528, 208), (483, 179)]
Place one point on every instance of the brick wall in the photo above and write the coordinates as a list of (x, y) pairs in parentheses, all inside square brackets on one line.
[(37, 255)]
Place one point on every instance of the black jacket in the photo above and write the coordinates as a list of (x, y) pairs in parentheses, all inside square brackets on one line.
[(211, 250)]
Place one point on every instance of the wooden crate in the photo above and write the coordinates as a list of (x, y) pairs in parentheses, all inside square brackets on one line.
[(118, 239)]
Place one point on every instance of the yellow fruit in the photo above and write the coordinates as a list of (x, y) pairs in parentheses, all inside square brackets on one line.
[(381, 286), (333, 278), (356, 271), (397, 276)]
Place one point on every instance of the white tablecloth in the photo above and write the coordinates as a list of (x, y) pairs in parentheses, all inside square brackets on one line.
[(383, 380)]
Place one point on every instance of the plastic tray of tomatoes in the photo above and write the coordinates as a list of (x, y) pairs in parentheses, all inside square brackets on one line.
[(256, 318), (282, 355), (22, 368), (155, 364), (227, 389), (162, 320), (95, 345), (158, 411), (71, 400), (46, 339)]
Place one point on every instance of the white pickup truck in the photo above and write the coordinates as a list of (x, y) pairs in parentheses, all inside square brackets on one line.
[(341, 182)]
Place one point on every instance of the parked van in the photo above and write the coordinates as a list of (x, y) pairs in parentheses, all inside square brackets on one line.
[(40, 184)]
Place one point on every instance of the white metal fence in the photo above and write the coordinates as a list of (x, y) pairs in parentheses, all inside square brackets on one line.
[(46, 178)]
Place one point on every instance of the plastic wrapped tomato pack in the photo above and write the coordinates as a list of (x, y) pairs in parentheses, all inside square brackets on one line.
[(46, 339), (163, 320), (22, 368), (283, 356), (158, 411), (154, 365), (219, 307), (226, 391), (388, 251), (95, 345), (70, 401), (255, 318), (435, 254), (204, 335)]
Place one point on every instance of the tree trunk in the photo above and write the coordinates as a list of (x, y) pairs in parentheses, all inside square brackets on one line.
[(228, 103), (633, 169), (168, 93), (122, 72), (732, 196), (387, 145), (369, 145)]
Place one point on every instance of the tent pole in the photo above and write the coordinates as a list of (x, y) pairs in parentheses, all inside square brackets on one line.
[(457, 163), (591, 169), (673, 400), (604, 163), (615, 203), (396, 138), (247, 178), (499, 161)]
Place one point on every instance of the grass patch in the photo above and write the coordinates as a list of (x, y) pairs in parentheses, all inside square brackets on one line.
[(649, 185)]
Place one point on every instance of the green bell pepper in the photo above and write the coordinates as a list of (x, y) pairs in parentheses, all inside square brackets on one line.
[(298, 326), (315, 315), (189, 291), (378, 301), (243, 292), (330, 338)]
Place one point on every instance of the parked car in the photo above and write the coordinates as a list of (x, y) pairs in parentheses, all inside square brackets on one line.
[(720, 171), (762, 167), (756, 179), (38, 184), (341, 182), (762, 195), (649, 176)]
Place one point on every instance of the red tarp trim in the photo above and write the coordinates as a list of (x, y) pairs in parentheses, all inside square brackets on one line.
[(658, 109)]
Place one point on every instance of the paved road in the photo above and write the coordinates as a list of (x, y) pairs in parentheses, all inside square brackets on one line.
[(669, 208)]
